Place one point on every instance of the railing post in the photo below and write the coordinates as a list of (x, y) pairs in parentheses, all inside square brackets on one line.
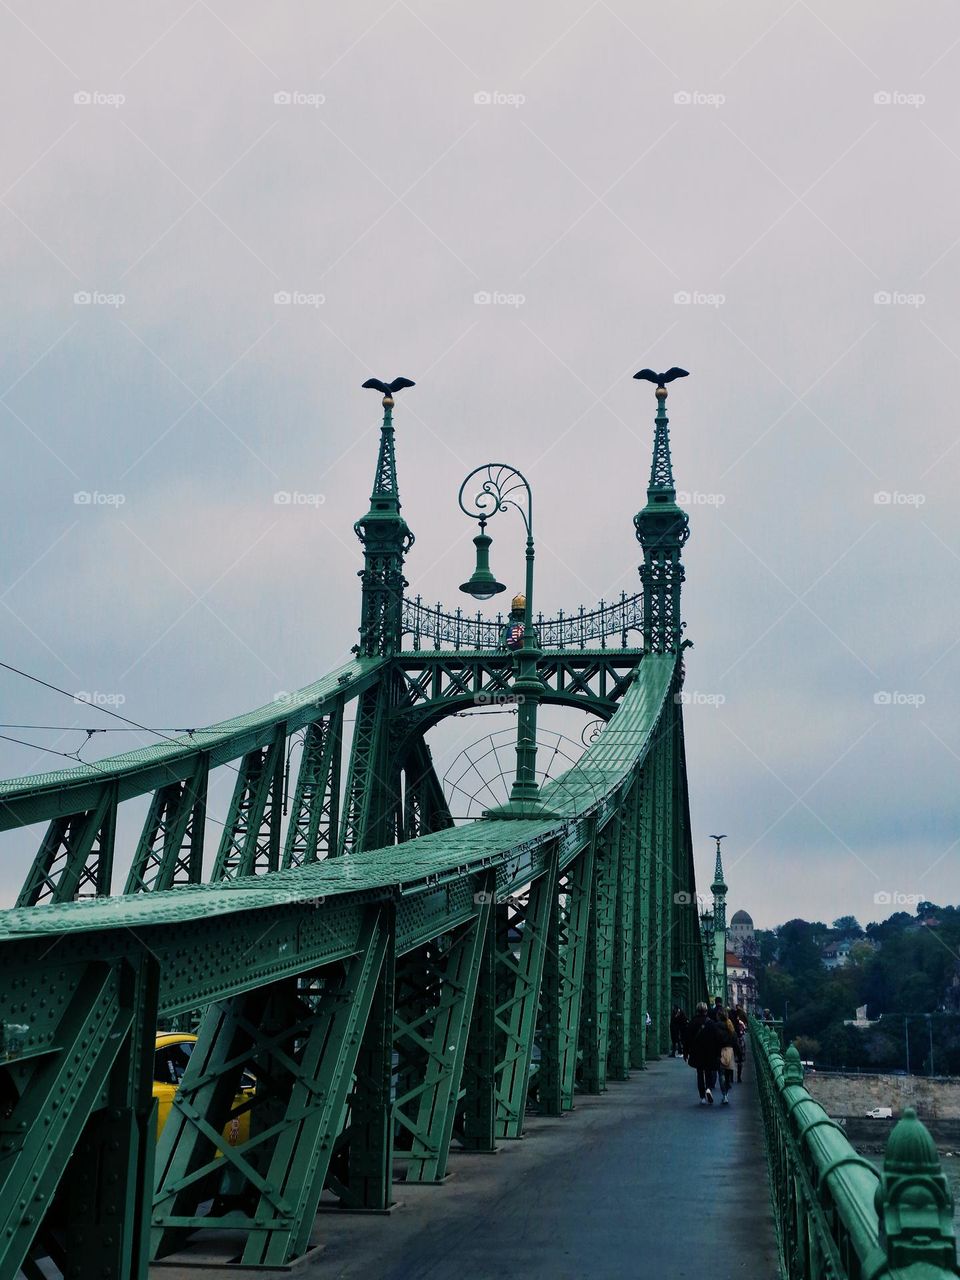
[(914, 1202)]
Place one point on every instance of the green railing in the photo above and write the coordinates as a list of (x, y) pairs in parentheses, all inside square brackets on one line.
[(837, 1216)]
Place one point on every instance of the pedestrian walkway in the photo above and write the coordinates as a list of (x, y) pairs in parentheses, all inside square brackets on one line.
[(641, 1181)]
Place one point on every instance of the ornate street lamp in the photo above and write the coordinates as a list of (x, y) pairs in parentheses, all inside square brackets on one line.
[(502, 486)]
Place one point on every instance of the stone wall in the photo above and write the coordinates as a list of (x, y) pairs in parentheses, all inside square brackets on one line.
[(849, 1094)]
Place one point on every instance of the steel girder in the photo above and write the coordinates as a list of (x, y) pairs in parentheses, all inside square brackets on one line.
[(76, 857), (435, 1024), (364, 819), (250, 844), (304, 1066), (76, 1138), (601, 946), (442, 683), (520, 972), (170, 848), (315, 816), (622, 1002), (561, 998), (643, 859), (425, 807)]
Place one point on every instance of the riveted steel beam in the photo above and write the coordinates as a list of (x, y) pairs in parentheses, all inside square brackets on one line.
[(622, 998), (170, 848), (521, 972), (428, 1108), (74, 1078), (304, 1066), (598, 974), (478, 1124), (250, 844), (312, 833), (75, 858)]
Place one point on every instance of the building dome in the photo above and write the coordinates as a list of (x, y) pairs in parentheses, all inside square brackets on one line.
[(742, 917)]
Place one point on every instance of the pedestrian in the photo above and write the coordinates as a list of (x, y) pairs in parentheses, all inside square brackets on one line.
[(678, 1020), (739, 1019), (699, 1044), (724, 1040)]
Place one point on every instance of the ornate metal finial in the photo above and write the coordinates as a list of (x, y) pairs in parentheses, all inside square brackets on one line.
[(388, 388), (661, 379), (662, 529), (518, 602), (914, 1201), (386, 539), (792, 1066)]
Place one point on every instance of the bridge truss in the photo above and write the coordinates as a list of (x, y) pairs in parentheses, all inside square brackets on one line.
[(397, 987)]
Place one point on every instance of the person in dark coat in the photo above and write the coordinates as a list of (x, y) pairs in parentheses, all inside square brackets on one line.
[(678, 1021), (699, 1054)]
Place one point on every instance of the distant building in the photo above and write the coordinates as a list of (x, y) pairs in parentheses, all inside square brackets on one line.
[(835, 955), (739, 933), (741, 983)]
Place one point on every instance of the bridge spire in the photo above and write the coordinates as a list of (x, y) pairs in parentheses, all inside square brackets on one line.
[(386, 539), (719, 934), (662, 529)]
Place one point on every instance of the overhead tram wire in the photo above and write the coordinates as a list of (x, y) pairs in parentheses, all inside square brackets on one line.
[(96, 707), (69, 755)]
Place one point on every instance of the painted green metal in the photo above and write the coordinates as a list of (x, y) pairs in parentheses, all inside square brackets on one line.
[(386, 979), (428, 1109), (520, 974), (312, 832), (304, 1065), (836, 1215), (250, 844), (170, 848), (599, 964)]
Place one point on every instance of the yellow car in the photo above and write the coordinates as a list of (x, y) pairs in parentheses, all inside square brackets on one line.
[(171, 1055)]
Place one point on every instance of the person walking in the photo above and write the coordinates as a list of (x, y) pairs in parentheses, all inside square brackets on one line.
[(678, 1021), (726, 1040), (699, 1044), (739, 1019)]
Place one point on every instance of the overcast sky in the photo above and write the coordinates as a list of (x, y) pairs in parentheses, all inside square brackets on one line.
[(768, 195)]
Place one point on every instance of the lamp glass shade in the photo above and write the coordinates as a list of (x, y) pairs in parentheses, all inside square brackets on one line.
[(481, 584)]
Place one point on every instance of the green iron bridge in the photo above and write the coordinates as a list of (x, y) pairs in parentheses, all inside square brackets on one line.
[(378, 985)]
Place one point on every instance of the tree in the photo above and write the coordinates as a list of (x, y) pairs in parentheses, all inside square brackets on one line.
[(848, 927)]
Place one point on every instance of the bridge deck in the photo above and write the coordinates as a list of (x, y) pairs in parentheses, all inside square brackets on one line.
[(639, 1182)]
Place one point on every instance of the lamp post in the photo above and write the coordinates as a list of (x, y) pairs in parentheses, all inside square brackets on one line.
[(500, 486)]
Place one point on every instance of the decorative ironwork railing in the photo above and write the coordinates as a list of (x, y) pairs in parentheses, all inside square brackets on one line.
[(609, 623), (837, 1215)]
